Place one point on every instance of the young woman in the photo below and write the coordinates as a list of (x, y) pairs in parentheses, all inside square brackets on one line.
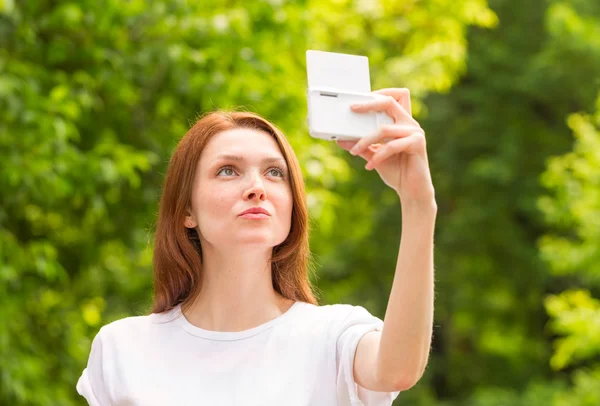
[(234, 319)]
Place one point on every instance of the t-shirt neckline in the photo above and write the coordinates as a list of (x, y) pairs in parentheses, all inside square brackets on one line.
[(231, 335)]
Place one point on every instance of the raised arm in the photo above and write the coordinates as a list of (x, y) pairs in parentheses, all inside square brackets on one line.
[(395, 359)]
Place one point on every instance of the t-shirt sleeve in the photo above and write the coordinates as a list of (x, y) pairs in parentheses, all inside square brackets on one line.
[(356, 324), (92, 383)]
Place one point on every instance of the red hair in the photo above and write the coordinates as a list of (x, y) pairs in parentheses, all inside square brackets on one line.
[(178, 254)]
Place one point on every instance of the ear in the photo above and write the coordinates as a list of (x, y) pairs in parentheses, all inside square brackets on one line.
[(189, 221)]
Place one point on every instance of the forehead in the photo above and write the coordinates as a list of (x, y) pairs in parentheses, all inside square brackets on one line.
[(245, 142)]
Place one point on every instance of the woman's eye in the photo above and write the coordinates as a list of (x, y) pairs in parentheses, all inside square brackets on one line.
[(278, 170), (226, 168)]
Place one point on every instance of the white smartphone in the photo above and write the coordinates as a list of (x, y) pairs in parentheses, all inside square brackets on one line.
[(335, 81)]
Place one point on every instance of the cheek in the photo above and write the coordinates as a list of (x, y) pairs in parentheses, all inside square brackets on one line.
[(283, 202), (213, 204)]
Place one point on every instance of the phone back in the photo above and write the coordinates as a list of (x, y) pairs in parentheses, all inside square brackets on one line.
[(335, 81), (345, 72)]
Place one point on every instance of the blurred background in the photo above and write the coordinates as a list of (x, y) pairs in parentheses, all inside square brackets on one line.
[(94, 95)]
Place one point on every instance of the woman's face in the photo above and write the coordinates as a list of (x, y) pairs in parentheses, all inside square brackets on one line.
[(240, 169)]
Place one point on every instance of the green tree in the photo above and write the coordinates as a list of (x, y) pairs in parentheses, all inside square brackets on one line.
[(489, 139), (573, 251)]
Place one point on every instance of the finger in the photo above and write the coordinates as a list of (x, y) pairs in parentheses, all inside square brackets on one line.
[(385, 133), (408, 144), (388, 105), (366, 154), (346, 144), (401, 95)]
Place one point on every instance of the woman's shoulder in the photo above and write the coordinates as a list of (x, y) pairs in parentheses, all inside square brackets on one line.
[(335, 309), (339, 324), (130, 327), (336, 314)]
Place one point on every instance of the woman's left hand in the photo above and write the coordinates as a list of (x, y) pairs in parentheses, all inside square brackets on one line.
[(398, 151)]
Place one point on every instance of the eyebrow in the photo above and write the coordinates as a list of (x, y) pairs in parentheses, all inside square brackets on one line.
[(267, 160)]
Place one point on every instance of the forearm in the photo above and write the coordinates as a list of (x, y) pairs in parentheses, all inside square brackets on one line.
[(406, 337)]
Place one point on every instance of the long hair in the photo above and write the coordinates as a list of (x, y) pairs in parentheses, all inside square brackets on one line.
[(177, 257)]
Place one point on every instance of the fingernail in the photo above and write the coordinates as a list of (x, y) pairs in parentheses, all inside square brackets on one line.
[(354, 150)]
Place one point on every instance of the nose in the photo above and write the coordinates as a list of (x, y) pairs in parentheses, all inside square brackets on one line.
[(256, 190)]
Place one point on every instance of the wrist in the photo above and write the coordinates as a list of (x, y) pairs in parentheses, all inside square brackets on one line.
[(420, 206)]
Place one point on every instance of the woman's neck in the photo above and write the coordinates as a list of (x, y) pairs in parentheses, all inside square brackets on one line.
[(237, 292)]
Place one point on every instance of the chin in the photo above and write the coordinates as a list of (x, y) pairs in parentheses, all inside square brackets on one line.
[(257, 239)]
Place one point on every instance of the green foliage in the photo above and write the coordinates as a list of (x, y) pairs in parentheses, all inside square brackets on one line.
[(574, 249), (585, 390), (416, 44), (575, 315), (489, 142), (575, 205)]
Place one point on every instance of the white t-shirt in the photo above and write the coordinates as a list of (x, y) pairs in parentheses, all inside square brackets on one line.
[(303, 357)]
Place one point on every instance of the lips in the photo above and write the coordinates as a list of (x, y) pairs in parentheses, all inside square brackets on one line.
[(256, 210)]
